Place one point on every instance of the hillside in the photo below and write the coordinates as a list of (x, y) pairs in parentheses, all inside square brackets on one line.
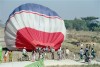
[(74, 39), (2, 37)]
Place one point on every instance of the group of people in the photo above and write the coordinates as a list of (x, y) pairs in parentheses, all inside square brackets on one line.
[(43, 53), (63, 53), (40, 51), (87, 53)]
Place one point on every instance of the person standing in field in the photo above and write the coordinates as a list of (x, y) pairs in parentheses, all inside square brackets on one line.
[(33, 56), (10, 56), (0, 53), (52, 53), (63, 53), (24, 52), (81, 53), (93, 53), (67, 53), (39, 50), (46, 52), (87, 56), (86, 48), (59, 54), (5, 56)]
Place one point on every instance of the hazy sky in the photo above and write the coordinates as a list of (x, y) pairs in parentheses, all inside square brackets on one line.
[(67, 9)]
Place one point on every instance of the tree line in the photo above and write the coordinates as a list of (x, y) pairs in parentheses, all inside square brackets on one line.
[(85, 23)]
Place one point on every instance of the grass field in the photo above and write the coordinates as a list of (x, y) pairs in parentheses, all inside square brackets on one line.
[(84, 37)]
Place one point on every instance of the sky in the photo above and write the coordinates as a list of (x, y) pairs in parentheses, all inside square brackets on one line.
[(67, 9)]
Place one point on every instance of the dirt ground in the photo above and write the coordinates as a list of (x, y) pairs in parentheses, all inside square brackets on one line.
[(49, 63)]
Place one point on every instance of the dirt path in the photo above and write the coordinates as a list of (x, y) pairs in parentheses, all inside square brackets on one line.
[(48, 63), (67, 62)]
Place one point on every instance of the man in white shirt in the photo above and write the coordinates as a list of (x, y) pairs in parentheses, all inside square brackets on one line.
[(24, 51), (81, 53)]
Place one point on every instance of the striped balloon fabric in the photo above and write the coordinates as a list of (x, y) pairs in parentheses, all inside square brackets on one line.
[(32, 25)]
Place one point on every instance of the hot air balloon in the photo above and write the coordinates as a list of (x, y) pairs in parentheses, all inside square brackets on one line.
[(32, 25)]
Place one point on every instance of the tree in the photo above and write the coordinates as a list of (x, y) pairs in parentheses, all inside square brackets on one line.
[(68, 24), (76, 24), (92, 22), (86, 23), (89, 18), (79, 24)]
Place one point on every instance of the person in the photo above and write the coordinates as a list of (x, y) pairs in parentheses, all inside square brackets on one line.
[(42, 54), (86, 48), (86, 56), (63, 53), (39, 50), (67, 53), (25, 56), (81, 53), (33, 56), (46, 52), (92, 53), (5, 56), (24, 52), (0, 53), (59, 52), (52, 53), (10, 56)]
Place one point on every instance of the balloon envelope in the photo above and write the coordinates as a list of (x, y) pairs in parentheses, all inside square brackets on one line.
[(32, 25)]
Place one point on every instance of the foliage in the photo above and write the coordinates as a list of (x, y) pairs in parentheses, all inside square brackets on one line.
[(86, 24), (89, 18)]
